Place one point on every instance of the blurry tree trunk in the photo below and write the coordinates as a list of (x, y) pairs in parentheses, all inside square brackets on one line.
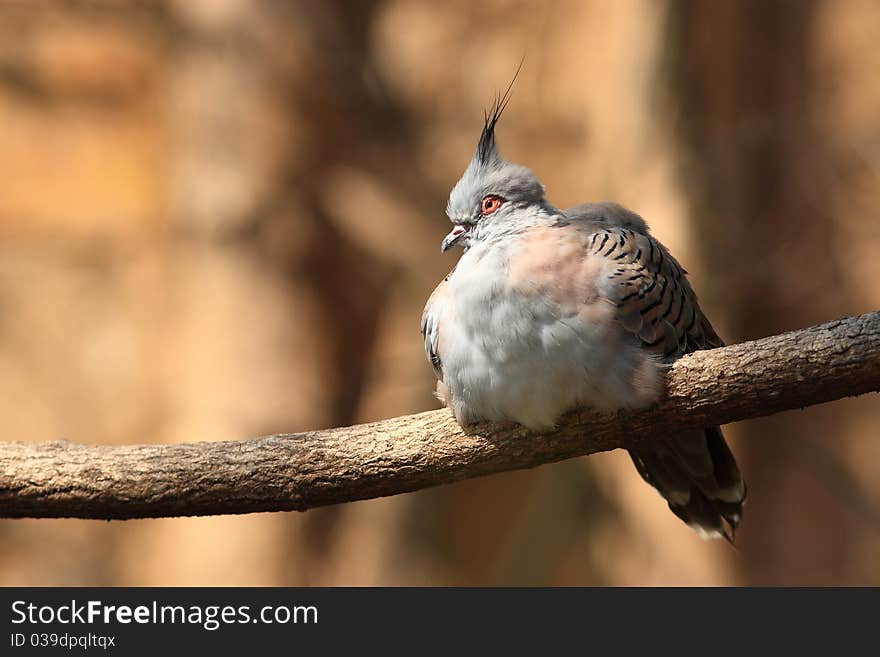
[(757, 185), (254, 140), (339, 125)]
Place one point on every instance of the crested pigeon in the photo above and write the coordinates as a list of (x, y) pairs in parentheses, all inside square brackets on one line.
[(549, 310)]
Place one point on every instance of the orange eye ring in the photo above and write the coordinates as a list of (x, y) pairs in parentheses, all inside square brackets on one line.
[(490, 204)]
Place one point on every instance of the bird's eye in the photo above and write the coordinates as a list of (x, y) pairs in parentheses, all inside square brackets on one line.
[(490, 204)]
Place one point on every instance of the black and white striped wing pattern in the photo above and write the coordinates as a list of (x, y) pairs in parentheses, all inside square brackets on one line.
[(650, 289), (430, 325), (694, 470)]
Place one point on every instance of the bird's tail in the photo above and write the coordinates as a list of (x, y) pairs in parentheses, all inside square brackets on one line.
[(698, 476)]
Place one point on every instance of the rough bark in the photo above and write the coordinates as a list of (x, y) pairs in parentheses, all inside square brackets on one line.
[(305, 470)]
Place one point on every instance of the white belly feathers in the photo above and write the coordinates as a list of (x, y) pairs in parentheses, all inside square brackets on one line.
[(528, 345)]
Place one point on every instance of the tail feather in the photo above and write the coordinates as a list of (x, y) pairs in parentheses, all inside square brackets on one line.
[(697, 475)]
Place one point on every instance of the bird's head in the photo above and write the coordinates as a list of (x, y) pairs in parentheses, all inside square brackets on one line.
[(493, 195)]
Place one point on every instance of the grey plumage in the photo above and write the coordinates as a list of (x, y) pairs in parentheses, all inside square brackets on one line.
[(695, 470), (548, 310)]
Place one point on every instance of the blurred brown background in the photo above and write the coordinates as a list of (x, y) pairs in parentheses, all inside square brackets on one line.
[(221, 218)]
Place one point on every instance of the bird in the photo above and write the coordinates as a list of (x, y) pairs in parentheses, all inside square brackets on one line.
[(549, 310)]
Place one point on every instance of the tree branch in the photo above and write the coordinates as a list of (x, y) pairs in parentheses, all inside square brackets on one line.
[(300, 471)]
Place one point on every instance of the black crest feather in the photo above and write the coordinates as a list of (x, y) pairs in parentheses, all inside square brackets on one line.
[(486, 145)]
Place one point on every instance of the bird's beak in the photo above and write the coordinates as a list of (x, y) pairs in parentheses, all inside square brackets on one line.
[(452, 239)]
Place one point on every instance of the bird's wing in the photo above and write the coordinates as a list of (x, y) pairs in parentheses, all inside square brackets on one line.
[(431, 321), (650, 290), (693, 470)]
